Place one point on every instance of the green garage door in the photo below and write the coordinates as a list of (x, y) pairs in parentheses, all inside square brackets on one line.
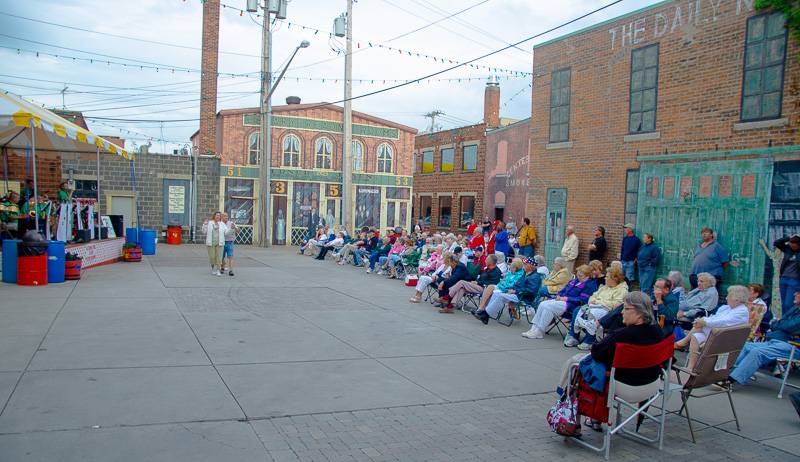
[(731, 197)]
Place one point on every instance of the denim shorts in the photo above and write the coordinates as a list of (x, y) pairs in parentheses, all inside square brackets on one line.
[(228, 250)]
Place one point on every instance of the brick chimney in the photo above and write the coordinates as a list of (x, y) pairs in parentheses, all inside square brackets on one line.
[(491, 104), (208, 78)]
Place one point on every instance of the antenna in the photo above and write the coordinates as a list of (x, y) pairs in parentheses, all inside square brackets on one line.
[(433, 115)]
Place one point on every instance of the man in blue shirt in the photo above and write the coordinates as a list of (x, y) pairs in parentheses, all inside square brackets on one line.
[(630, 249), (709, 257), (648, 259)]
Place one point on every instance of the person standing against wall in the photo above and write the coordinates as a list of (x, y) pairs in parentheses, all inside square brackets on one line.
[(709, 257), (570, 249), (789, 270), (597, 249), (527, 239), (648, 258), (629, 251)]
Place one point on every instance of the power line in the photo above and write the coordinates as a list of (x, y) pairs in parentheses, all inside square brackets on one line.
[(450, 16)]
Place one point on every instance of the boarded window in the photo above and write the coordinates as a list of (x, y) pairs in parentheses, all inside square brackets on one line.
[(725, 186), (448, 158), (644, 89), (764, 57), (686, 187), (748, 186), (704, 187), (669, 187), (652, 186), (559, 105)]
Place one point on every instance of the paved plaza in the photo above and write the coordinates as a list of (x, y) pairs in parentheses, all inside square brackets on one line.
[(295, 359)]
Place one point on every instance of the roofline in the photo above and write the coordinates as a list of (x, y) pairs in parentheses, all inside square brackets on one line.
[(294, 107), (450, 129), (519, 122), (603, 23)]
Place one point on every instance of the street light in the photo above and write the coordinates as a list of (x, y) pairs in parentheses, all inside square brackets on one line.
[(303, 44)]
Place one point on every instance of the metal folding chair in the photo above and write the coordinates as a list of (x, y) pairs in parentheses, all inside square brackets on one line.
[(470, 299), (637, 399), (783, 368)]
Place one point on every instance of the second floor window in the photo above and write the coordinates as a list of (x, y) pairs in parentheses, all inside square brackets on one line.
[(291, 151), (427, 161), (358, 156), (324, 150), (470, 158), (764, 57), (559, 106), (254, 149), (644, 89), (448, 159), (385, 157)]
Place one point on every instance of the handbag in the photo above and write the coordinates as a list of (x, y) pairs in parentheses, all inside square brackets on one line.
[(563, 417)]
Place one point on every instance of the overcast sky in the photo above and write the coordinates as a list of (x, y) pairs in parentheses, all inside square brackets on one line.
[(109, 90)]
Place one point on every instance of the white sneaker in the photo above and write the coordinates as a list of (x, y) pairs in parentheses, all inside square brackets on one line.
[(219, 273), (570, 341), (380, 272), (369, 270), (533, 333), (213, 272), (584, 346)]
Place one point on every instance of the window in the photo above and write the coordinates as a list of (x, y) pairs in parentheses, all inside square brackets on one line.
[(448, 158), (425, 205), (85, 189), (384, 158), (467, 210), (291, 151), (403, 213), (631, 195), (427, 161), (358, 156), (390, 213), (764, 56), (398, 193), (559, 105), (470, 158), (238, 205), (445, 211), (254, 149), (644, 89), (323, 148)]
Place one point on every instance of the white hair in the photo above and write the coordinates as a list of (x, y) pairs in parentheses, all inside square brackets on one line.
[(740, 295)]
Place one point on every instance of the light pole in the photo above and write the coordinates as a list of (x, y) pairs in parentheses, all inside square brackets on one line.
[(347, 122), (278, 8)]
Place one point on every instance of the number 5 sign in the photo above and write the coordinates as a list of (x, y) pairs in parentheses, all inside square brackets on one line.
[(333, 190)]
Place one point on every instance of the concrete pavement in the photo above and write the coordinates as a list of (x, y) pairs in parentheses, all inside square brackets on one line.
[(294, 359)]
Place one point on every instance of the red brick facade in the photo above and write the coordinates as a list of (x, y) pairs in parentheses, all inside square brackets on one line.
[(698, 106), (208, 142), (507, 174), (48, 172)]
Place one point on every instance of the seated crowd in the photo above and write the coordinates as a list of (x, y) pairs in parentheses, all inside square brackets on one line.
[(596, 306)]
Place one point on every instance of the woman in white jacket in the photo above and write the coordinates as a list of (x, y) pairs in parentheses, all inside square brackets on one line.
[(215, 241)]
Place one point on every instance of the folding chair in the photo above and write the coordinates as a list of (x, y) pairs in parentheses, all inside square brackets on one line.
[(528, 306), (470, 299), (714, 364), (784, 367), (431, 293), (636, 398)]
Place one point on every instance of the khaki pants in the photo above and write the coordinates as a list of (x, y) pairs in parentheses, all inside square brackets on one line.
[(215, 255), (460, 288)]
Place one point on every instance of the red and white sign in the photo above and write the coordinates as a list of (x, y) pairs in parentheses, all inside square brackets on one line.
[(98, 252)]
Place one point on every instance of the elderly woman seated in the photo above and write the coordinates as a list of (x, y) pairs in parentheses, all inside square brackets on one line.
[(514, 274), (458, 272), (575, 294), (337, 242), (526, 289), (600, 303), (396, 260), (733, 314), (313, 243), (640, 329), (441, 273), (559, 277), (700, 301), (676, 277)]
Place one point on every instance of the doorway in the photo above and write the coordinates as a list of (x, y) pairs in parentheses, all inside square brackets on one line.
[(123, 205)]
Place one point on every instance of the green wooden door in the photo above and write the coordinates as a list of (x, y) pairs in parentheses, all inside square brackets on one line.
[(556, 222), (731, 197)]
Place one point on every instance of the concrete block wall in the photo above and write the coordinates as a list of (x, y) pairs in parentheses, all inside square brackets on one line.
[(151, 170)]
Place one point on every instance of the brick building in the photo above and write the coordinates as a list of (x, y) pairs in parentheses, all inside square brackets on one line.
[(306, 169), (507, 177), (676, 116), (450, 170)]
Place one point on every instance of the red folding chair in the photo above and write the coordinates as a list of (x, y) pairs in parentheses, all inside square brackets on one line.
[(636, 398)]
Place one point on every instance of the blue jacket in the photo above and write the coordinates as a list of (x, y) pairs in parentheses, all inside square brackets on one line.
[(528, 287), (457, 274), (630, 248), (786, 328), (501, 242), (577, 293), (649, 256)]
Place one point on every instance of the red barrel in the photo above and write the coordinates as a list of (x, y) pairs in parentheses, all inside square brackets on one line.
[(72, 269), (133, 254), (32, 271), (174, 235)]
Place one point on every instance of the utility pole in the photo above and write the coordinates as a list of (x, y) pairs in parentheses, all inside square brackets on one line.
[(347, 167), (433, 115), (63, 101)]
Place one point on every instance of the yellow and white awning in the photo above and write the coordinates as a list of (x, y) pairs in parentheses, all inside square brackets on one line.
[(18, 119)]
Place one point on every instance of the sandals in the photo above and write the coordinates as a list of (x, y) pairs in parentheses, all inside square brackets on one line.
[(595, 425)]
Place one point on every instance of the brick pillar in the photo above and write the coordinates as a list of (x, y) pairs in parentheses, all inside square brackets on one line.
[(208, 78), (491, 104)]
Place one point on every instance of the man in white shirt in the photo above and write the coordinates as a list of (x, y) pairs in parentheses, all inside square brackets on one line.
[(570, 249)]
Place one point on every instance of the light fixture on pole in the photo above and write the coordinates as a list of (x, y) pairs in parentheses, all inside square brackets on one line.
[(343, 26)]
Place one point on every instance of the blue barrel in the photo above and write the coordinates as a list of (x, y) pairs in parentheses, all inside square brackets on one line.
[(132, 235), (55, 261), (10, 260), (147, 240)]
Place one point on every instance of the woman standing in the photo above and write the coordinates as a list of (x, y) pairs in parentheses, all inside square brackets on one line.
[(230, 238), (215, 241)]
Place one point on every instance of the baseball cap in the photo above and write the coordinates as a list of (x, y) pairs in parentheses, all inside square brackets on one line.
[(479, 249), (529, 261), (629, 225)]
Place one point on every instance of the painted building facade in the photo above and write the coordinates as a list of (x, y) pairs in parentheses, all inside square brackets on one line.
[(507, 176), (306, 173), (673, 117)]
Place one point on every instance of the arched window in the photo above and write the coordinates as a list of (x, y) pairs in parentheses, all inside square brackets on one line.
[(323, 149), (358, 156), (385, 158), (291, 151), (254, 149)]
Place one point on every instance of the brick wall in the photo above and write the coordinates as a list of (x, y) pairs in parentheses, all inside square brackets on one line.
[(451, 183), (700, 69), (151, 170), (208, 79), (48, 171), (507, 174)]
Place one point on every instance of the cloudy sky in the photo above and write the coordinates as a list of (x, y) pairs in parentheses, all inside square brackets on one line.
[(101, 44)]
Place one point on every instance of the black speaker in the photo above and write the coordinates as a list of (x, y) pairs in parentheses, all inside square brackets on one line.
[(117, 222)]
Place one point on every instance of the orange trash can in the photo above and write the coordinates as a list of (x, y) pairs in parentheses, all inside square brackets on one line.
[(174, 235)]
